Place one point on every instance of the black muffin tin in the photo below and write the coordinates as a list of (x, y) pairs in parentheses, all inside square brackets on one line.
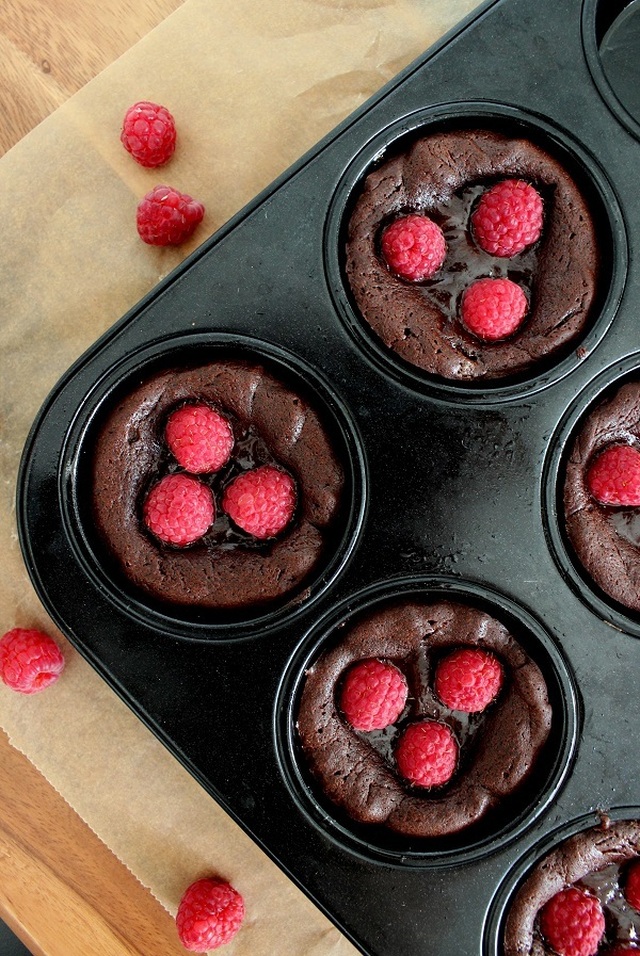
[(452, 490)]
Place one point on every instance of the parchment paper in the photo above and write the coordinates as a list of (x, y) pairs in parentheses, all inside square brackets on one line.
[(252, 87)]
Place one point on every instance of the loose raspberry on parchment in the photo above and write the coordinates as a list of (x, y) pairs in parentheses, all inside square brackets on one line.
[(261, 501), (468, 679), (179, 509), (572, 922), (508, 218), (167, 217), (613, 478), (149, 133), (493, 309), (427, 753), (199, 437), (373, 695), (413, 247), (29, 660), (210, 914)]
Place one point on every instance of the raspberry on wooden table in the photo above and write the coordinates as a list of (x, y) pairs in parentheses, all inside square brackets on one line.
[(413, 247), (167, 217), (613, 478), (374, 694), (427, 753), (29, 660), (179, 509), (209, 915), (508, 218), (468, 679), (572, 922), (149, 133), (493, 309), (632, 885), (261, 501), (199, 437)]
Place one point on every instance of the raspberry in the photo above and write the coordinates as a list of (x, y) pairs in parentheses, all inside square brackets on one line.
[(414, 247), (149, 133), (572, 922), (29, 660), (621, 949), (261, 501), (166, 217), (468, 679), (632, 885), (179, 509), (613, 478), (200, 438), (427, 753), (373, 695), (493, 309), (209, 915), (508, 218)]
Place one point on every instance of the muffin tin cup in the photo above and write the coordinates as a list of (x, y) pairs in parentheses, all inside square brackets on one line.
[(452, 491), (513, 814), (499, 909), (602, 604), (586, 172), (610, 30), (90, 550)]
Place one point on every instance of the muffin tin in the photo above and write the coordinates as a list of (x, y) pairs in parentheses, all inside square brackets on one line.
[(452, 491)]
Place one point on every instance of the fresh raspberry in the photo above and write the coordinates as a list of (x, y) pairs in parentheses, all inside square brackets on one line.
[(261, 501), (166, 217), (427, 753), (508, 218), (621, 949), (613, 478), (572, 922), (209, 915), (179, 509), (200, 438), (632, 885), (29, 660), (493, 309), (149, 133), (414, 247), (468, 679), (373, 695)]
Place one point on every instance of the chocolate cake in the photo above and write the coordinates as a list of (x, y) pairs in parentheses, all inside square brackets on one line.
[(442, 176), (227, 568), (498, 747), (605, 538), (594, 861)]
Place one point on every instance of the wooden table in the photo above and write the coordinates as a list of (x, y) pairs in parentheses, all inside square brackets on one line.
[(61, 890)]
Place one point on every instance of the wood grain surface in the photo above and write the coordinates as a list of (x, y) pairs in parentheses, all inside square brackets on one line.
[(61, 890), (49, 49)]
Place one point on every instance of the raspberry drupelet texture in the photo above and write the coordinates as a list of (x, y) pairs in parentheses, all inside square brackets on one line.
[(261, 501), (632, 885), (149, 133), (374, 694), (167, 217), (572, 922), (613, 478), (199, 438), (413, 247), (427, 754), (493, 309), (209, 915), (468, 679), (179, 509), (29, 660), (508, 218)]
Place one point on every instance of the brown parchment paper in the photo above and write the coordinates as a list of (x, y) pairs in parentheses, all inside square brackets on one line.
[(252, 87)]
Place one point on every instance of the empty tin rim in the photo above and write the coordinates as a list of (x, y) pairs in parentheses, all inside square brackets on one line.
[(584, 169), (198, 623), (377, 843), (603, 25)]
